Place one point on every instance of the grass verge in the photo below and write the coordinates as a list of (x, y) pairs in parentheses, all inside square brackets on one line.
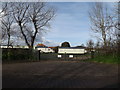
[(106, 59)]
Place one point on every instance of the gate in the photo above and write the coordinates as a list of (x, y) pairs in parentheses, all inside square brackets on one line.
[(66, 57), (48, 56)]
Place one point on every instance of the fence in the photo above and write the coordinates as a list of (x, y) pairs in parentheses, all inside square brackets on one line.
[(48, 56), (19, 54), (56, 56)]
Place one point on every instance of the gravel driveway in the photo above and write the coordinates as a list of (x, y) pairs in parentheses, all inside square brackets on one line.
[(60, 74)]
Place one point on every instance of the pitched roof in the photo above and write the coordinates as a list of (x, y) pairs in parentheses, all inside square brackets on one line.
[(41, 45)]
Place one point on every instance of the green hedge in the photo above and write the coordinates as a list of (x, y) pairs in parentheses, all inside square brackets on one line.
[(13, 54)]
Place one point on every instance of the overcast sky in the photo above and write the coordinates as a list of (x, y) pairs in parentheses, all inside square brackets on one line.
[(71, 24)]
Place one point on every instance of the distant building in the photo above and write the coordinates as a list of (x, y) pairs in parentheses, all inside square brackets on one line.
[(42, 45), (72, 50), (44, 49), (20, 47), (5, 46)]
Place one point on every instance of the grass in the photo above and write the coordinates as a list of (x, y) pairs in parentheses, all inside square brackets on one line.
[(106, 59)]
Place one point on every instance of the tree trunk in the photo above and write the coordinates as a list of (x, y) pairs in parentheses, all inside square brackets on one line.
[(24, 35), (8, 32), (104, 38)]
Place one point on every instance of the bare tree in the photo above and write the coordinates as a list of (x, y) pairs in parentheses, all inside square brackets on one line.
[(97, 45), (2, 32), (39, 17), (3, 10), (117, 15), (19, 13), (101, 20), (7, 29), (6, 9), (117, 22), (117, 26), (31, 19), (90, 45), (6, 24)]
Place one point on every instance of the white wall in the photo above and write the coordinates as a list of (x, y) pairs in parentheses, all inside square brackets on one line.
[(14, 47), (72, 51), (5, 47), (45, 49)]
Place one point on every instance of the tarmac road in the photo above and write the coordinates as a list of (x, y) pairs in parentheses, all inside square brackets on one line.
[(59, 74)]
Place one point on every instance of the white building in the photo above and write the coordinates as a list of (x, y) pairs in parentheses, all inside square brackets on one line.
[(5, 46), (72, 50), (20, 47), (44, 49)]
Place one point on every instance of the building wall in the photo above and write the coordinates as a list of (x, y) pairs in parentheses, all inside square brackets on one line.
[(71, 51), (5, 47), (20, 46), (16, 47), (45, 49)]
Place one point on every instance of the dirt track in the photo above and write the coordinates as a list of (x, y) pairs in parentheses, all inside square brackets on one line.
[(60, 74)]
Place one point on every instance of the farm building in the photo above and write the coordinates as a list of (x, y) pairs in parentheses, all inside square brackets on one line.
[(71, 51)]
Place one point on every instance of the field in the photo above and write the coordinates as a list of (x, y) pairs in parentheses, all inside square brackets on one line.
[(60, 74)]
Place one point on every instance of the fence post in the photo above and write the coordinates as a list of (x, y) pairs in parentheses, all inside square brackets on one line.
[(65, 55), (92, 54), (39, 53)]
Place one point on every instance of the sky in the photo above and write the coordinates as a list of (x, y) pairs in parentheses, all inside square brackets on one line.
[(70, 24)]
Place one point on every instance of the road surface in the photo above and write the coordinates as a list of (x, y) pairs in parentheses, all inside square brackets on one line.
[(59, 74)]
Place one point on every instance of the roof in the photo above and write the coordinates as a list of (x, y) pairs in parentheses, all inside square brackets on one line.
[(72, 47), (51, 47), (41, 47)]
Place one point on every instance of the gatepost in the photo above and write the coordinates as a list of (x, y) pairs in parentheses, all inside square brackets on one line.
[(65, 55), (92, 54), (39, 54)]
